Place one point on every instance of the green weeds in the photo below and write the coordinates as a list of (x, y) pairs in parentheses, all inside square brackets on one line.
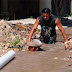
[(14, 42)]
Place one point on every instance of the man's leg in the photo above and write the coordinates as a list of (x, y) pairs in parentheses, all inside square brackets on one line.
[(45, 36), (43, 30), (41, 38), (52, 40)]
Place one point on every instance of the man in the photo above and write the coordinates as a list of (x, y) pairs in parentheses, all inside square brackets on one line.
[(48, 23)]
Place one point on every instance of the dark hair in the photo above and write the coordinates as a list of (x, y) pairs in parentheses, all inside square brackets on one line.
[(46, 10)]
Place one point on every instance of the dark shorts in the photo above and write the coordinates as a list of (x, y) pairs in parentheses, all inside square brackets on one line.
[(50, 40), (46, 38)]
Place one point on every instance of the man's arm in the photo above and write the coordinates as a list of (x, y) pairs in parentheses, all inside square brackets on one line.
[(59, 25), (33, 29)]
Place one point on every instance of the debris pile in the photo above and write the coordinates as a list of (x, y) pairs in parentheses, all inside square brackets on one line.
[(14, 35)]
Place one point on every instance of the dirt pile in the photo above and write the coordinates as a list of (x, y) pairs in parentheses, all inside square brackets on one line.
[(14, 35)]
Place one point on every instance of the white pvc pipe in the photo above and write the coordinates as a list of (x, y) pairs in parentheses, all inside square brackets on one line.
[(6, 58)]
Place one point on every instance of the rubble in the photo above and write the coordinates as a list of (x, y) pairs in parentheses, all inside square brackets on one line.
[(14, 35)]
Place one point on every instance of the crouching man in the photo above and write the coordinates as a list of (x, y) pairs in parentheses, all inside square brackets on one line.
[(48, 23)]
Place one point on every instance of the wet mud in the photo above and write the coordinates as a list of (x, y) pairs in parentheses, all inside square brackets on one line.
[(53, 58)]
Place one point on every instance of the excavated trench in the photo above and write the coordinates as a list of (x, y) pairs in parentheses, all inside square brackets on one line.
[(54, 58)]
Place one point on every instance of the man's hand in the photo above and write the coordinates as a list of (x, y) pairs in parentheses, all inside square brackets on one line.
[(68, 44), (27, 40)]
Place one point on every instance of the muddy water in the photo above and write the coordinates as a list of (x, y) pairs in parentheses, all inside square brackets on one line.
[(54, 58)]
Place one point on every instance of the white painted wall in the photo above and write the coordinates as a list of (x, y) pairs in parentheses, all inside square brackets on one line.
[(45, 4)]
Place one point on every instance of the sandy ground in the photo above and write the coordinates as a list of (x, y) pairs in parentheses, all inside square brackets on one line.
[(54, 58)]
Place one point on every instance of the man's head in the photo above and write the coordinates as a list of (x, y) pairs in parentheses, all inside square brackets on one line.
[(46, 13)]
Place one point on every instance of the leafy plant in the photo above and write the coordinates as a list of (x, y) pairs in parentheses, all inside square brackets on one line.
[(8, 42), (16, 41), (31, 16), (7, 35), (69, 15), (6, 18)]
